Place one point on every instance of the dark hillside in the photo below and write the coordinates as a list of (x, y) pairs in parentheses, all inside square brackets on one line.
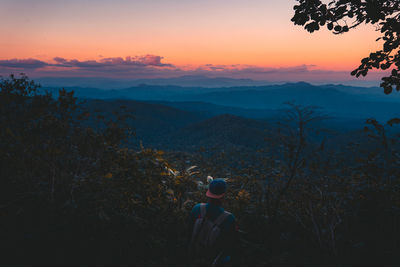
[(190, 126), (165, 127), (224, 132), (153, 123), (213, 109)]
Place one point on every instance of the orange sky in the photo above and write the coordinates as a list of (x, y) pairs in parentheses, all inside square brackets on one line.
[(183, 32)]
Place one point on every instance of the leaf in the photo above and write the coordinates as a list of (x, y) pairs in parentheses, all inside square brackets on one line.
[(191, 168), (338, 28), (387, 89)]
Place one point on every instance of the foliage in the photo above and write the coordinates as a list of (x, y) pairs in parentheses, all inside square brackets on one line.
[(340, 16), (70, 189), (74, 193)]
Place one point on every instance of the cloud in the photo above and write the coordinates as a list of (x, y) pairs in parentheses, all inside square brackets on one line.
[(62, 62), (28, 63), (254, 72), (137, 61), (152, 66), (114, 62), (151, 60)]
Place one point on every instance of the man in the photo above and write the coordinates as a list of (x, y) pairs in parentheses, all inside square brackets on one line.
[(213, 229)]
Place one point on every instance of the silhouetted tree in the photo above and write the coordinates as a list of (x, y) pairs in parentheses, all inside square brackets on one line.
[(339, 16)]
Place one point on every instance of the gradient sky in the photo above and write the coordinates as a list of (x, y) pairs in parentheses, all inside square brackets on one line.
[(186, 35)]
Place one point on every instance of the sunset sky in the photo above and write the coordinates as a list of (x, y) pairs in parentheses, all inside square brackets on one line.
[(167, 38)]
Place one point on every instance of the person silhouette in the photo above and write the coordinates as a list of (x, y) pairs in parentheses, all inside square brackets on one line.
[(214, 231)]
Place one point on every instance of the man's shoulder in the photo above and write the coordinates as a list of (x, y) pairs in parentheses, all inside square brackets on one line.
[(196, 209), (197, 206)]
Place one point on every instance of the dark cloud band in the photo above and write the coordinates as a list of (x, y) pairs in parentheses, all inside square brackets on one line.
[(117, 62), (28, 63), (152, 66)]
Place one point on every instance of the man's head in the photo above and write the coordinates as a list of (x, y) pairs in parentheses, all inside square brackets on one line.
[(216, 190)]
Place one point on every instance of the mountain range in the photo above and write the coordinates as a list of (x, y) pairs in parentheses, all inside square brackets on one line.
[(259, 101), (160, 126), (186, 81)]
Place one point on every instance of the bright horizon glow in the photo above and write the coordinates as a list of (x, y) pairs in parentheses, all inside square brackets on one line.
[(185, 33)]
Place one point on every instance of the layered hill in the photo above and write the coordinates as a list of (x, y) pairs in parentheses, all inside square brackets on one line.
[(258, 101), (164, 127), (169, 128), (153, 123)]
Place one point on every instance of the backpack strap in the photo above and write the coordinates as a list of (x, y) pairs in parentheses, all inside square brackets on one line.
[(221, 218), (203, 210), (197, 231)]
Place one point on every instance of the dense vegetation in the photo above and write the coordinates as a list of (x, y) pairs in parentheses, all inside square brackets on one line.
[(74, 192)]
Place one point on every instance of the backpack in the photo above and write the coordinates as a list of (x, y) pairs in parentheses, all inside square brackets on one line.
[(206, 232)]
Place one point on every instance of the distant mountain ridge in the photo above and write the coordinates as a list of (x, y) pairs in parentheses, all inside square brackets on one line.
[(186, 81), (336, 100)]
